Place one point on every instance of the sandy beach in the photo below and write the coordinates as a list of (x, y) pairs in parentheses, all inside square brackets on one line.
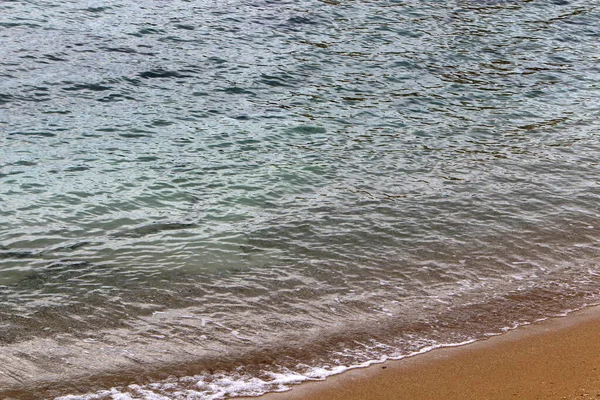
[(554, 359)]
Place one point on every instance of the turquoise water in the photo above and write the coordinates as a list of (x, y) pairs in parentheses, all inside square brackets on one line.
[(211, 199)]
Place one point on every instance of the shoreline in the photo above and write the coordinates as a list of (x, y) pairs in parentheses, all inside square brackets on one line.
[(558, 358)]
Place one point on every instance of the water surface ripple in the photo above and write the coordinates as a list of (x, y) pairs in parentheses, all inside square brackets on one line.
[(219, 198)]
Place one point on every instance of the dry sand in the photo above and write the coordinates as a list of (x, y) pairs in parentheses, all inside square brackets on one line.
[(555, 359)]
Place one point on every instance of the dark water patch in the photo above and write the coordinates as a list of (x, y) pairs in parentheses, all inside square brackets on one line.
[(308, 129), (115, 98), (97, 9), (136, 133), (59, 112), (42, 96), (132, 81), (277, 81), (108, 129), (243, 117), (75, 245), (160, 73), (94, 87), (77, 168), (353, 99), (147, 31), (155, 228), (185, 27), (217, 60), (238, 90), (161, 122), (40, 134), (6, 98), (17, 254), (319, 45), (147, 159), (301, 20), (127, 50), (53, 57), (19, 24), (25, 163), (8, 174), (543, 124), (177, 39)]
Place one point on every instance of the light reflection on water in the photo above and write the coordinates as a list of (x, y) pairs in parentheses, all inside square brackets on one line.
[(292, 172)]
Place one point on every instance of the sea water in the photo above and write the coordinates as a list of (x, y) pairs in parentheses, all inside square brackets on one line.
[(204, 199)]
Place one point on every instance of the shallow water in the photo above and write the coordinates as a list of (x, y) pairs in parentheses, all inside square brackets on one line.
[(210, 199)]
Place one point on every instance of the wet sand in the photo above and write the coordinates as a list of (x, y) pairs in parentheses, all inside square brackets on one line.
[(554, 359)]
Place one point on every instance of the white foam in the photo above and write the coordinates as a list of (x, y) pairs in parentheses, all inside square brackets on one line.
[(220, 386)]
